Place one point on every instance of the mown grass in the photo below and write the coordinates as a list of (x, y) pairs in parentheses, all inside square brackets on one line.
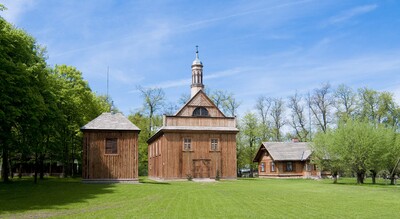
[(243, 198)]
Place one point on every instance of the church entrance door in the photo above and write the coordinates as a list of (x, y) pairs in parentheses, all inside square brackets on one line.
[(201, 168)]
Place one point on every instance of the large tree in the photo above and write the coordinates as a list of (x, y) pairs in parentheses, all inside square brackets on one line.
[(263, 106), (230, 105), (250, 140), (345, 102), (278, 118), (141, 121), (21, 75), (78, 105), (355, 146), (298, 117), (153, 101), (320, 103)]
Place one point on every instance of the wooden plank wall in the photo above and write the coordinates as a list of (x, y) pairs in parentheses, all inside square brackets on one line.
[(212, 111), (98, 165), (280, 167), (174, 163), (155, 158)]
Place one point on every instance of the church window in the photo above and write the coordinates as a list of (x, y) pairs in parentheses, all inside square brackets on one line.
[(111, 146), (200, 111), (187, 144), (214, 144)]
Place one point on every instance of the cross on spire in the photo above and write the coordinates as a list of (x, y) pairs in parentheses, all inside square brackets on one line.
[(197, 51)]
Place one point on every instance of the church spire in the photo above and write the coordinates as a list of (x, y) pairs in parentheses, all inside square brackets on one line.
[(197, 75)]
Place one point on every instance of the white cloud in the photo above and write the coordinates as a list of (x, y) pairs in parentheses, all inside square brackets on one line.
[(269, 8), (187, 81), (346, 15), (15, 8)]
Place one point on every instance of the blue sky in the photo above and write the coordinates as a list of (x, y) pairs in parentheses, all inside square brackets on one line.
[(249, 48)]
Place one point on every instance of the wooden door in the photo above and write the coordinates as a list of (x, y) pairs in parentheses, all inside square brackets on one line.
[(201, 168)]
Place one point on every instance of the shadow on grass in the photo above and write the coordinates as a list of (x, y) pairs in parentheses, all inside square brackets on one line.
[(149, 181), (353, 182), (22, 194)]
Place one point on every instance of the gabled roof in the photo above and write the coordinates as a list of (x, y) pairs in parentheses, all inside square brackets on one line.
[(285, 151), (199, 94), (111, 121)]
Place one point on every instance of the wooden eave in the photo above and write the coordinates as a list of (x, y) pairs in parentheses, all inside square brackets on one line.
[(191, 129), (259, 154), (110, 130)]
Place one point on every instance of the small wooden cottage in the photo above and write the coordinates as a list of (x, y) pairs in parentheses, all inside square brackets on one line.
[(110, 149), (285, 159), (199, 141)]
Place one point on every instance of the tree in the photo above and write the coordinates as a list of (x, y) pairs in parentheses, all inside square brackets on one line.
[(298, 118), (231, 105), (383, 152), (2, 7), (219, 97), (325, 154), (278, 120), (391, 158), (78, 106), (356, 146), (369, 104), (250, 139), (263, 106), (141, 121), (170, 108), (387, 109), (320, 103), (184, 98), (21, 74), (153, 100), (345, 102)]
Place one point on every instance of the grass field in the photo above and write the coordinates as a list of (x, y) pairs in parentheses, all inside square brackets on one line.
[(243, 198)]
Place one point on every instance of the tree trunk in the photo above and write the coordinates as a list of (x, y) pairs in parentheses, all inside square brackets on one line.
[(334, 176), (72, 166), (4, 167), (41, 166), (50, 166), (374, 173), (66, 160), (36, 168), (393, 174), (11, 169), (360, 177), (393, 179), (20, 169)]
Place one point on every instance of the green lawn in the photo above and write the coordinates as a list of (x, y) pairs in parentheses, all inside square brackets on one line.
[(243, 198)]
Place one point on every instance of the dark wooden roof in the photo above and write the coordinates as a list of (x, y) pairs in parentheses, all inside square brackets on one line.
[(285, 151), (111, 121)]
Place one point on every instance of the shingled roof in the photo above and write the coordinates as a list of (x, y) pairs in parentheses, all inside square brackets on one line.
[(282, 151), (111, 121)]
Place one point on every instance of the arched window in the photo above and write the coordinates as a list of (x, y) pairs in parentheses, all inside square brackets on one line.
[(200, 111)]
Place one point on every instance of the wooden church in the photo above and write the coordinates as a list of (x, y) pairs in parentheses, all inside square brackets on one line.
[(110, 149), (199, 141)]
